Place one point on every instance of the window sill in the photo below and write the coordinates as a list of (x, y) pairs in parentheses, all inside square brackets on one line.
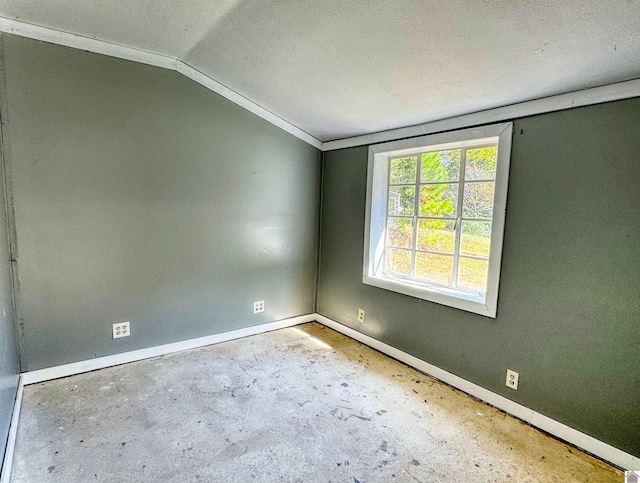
[(441, 295)]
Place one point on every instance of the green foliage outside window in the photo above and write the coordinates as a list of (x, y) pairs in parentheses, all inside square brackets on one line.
[(438, 198)]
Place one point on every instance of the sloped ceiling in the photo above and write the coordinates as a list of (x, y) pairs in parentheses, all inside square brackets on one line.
[(339, 68)]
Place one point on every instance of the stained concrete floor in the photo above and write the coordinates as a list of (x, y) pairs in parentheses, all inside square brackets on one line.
[(299, 404)]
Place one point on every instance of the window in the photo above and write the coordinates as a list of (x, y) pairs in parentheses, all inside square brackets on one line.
[(435, 216)]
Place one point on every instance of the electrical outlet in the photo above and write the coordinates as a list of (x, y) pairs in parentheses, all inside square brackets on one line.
[(258, 306), (361, 315), (512, 379), (121, 329)]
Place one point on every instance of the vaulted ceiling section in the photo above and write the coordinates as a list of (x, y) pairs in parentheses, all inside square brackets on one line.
[(337, 69)]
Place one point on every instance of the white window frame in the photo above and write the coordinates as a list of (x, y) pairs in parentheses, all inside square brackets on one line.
[(376, 214)]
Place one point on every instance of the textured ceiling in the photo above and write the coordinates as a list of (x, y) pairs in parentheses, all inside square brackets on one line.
[(337, 68)]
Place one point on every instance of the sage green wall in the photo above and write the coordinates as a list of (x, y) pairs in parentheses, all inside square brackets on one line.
[(9, 362), (142, 196), (569, 302)]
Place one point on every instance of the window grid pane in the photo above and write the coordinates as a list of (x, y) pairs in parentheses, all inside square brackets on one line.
[(439, 200), (440, 166), (478, 199), (443, 220), (436, 236), (472, 274), (437, 269), (401, 200), (398, 260), (403, 170), (400, 232), (481, 163), (475, 238)]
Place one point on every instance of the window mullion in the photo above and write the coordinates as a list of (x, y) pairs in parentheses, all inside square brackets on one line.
[(416, 212), (386, 218), (458, 225)]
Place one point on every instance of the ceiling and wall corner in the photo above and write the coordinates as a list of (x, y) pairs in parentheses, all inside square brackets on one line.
[(331, 71)]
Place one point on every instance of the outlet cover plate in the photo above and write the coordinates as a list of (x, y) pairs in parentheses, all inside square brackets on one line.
[(121, 329), (512, 379), (361, 313), (258, 306)]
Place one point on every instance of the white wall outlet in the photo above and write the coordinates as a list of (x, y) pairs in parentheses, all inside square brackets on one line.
[(258, 306), (361, 315), (512, 379), (121, 329)]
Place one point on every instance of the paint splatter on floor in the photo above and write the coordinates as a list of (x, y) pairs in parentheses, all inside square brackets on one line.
[(268, 408)]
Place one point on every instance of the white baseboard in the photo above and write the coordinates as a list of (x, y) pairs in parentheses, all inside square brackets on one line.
[(559, 430), (56, 372), (581, 440), (5, 474)]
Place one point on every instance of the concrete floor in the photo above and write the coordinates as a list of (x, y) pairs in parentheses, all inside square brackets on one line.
[(300, 404)]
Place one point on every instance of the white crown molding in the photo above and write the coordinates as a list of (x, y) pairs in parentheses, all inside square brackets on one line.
[(233, 96), (595, 95), (556, 428), (586, 97), (23, 29)]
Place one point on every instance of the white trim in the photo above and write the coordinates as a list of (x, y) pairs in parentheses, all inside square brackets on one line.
[(581, 440), (56, 372), (376, 215), (242, 101), (59, 37), (559, 430), (5, 474), (586, 97)]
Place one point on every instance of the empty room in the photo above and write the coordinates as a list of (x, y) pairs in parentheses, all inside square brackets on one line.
[(319, 241)]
